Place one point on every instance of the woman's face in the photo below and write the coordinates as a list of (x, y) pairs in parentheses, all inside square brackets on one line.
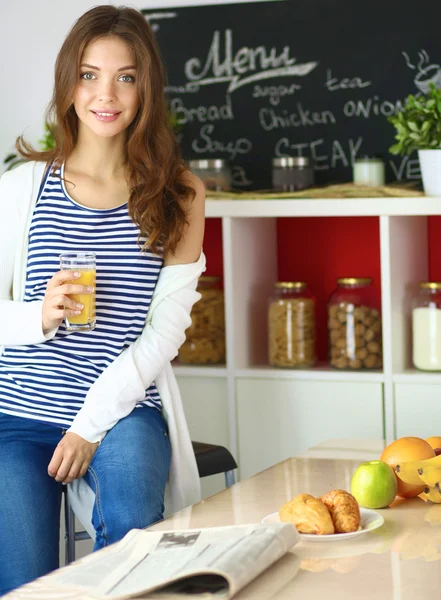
[(106, 97)]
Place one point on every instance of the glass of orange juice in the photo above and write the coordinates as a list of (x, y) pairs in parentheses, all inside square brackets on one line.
[(85, 264)]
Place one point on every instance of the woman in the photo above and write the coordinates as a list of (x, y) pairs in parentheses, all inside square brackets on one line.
[(115, 185)]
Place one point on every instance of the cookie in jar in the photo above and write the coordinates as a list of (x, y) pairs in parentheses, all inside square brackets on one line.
[(354, 325), (291, 326), (205, 338)]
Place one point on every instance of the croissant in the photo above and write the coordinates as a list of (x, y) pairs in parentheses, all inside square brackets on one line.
[(344, 510), (308, 514)]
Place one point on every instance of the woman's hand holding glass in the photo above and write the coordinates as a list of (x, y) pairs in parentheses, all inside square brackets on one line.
[(57, 304)]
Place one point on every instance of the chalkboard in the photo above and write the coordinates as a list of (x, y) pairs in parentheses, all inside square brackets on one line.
[(318, 78)]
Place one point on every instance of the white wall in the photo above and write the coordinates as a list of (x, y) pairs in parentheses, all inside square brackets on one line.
[(31, 33)]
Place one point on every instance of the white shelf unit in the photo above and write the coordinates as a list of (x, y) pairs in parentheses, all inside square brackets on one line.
[(318, 373), (269, 414), (190, 371)]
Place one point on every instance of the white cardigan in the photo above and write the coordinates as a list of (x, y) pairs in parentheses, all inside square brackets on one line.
[(123, 383)]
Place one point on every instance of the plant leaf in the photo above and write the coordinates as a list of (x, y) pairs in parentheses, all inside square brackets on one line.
[(9, 158), (395, 149)]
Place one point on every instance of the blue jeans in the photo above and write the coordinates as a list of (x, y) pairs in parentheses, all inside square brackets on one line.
[(128, 474)]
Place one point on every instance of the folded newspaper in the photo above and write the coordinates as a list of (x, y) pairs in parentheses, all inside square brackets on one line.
[(208, 563)]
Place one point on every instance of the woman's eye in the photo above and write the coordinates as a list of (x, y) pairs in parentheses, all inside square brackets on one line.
[(87, 76), (127, 78)]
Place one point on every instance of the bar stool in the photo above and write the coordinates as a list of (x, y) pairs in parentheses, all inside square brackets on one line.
[(210, 459)]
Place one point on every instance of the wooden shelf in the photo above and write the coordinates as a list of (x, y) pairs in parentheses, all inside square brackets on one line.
[(325, 207)]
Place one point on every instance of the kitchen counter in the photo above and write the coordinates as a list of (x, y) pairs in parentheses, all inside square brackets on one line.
[(398, 561)]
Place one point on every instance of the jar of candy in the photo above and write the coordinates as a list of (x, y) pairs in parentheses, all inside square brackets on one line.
[(354, 325), (291, 325), (205, 338)]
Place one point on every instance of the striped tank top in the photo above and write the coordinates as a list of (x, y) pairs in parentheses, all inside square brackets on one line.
[(48, 382)]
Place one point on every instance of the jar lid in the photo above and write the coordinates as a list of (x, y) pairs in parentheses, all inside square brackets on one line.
[(214, 163), (209, 278), (291, 161), (354, 280), (430, 285), (298, 285)]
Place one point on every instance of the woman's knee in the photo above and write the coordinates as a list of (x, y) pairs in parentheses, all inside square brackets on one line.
[(136, 451)]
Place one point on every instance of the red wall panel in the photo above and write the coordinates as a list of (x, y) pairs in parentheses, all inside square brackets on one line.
[(213, 247), (434, 249), (320, 249)]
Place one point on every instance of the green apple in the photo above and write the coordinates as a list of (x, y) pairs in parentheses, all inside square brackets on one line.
[(374, 484)]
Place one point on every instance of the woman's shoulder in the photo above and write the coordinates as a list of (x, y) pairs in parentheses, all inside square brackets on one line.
[(193, 181), (189, 247)]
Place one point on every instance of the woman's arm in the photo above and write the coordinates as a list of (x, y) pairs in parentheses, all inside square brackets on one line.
[(123, 383)]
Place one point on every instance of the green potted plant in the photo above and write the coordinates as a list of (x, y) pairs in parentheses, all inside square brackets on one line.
[(418, 127)]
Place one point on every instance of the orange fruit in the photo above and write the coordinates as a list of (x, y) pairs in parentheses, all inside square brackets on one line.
[(403, 450), (434, 441)]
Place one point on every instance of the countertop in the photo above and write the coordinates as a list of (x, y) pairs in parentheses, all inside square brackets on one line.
[(398, 561)]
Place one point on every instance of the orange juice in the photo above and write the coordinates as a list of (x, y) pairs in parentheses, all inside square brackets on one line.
[(87, 316), (85, 264)]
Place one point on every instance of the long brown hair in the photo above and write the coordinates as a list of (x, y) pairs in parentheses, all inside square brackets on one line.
[(159, 190)]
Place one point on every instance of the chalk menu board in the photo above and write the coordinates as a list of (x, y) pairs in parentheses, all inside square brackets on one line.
[(317, 78)]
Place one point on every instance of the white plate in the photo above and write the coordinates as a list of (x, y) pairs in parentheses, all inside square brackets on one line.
[(369, 521)]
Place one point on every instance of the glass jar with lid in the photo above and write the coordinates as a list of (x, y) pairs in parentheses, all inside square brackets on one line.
[(205, 338), (354, 325), (291, 325), (369, 170), (426, 327), (215, 173), (292, 173)]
